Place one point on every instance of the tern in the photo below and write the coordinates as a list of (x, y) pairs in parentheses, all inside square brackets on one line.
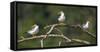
[(34, 30), (61, 17), (86, 25)]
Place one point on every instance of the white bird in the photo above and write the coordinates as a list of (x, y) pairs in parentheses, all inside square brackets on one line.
[(86, 25), (34, 30), (61, 17)]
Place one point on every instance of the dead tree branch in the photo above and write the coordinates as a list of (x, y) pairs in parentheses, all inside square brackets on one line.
[(60, 43), (53, 35), (61, 35), (67, 25), (81, 41), (41, 41), (42, 36)]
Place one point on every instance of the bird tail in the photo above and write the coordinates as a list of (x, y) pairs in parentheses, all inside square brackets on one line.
[(27, 34)]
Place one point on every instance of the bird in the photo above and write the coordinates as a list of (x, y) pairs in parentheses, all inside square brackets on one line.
[(34, 30), (86, 25), (61, 18)]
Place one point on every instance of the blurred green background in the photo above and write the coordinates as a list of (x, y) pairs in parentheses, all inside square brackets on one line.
[(30, 14)]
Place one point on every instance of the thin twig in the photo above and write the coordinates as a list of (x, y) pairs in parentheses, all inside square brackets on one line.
[(59, 31), (52, 27), (65, 37), (68, 40), (90, 33), (87, 31), (41, 41), (60, 43), (81, 41)]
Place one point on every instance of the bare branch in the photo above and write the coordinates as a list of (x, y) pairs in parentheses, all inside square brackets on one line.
[(42, 36), (54, 35), (60, 43), (65, 37), (68, 40), (74, 26), (59, 31), (90, 33), (41, 41), (52, 27), (81, 41)]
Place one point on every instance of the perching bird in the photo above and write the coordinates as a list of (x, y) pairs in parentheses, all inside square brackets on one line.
[(61, 17), (86, 25), (33, 31)]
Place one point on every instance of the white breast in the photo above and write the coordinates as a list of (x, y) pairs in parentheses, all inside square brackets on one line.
[(34, 30), (61, 17), (85, 26)]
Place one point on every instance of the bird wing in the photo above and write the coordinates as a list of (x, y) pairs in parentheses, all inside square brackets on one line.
[(83, 25), (33, 30)]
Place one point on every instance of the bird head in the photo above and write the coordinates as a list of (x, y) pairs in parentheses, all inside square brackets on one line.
[(61, 12), (88, 21)]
